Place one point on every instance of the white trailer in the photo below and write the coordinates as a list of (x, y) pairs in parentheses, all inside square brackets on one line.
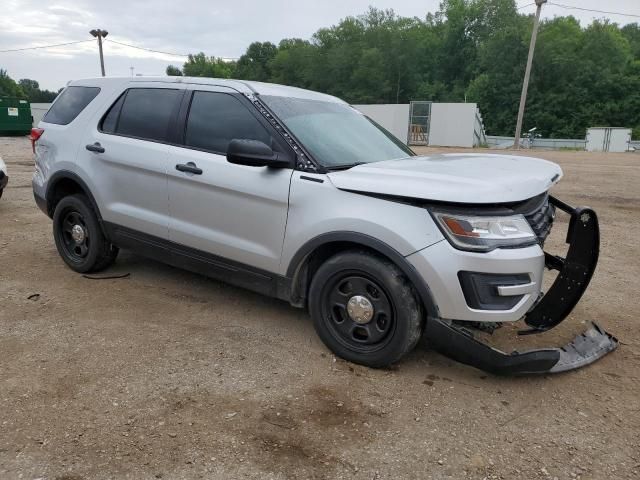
[(456, 125), (608, 139), (393, 117), (428, 123)]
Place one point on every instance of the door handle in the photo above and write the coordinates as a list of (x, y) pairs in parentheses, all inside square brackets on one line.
[(95, 147), (189, 167)]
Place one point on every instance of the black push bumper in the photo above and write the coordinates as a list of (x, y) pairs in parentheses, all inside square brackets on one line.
[(575, 272)]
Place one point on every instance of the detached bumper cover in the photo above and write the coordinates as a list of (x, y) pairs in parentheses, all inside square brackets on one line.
[(460, 345), (575, 272)]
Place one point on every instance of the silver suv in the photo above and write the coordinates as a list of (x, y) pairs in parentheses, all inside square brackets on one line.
[(297, 195)]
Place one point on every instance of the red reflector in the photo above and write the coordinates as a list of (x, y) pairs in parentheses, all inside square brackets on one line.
[(36, 133)]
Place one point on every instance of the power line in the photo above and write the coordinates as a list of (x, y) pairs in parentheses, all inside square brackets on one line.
[(159, 51), (148, 49), (44, 46), (569, 7), (109, 40)]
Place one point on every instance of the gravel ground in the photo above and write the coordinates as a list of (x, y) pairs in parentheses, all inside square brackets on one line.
[(167, 374)]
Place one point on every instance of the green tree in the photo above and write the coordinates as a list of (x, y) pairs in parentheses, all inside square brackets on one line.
[(473, 50), (199, 65), (632, 33), (32, 91), (173, 71), (254, 64), (8, 86), (292, 63)]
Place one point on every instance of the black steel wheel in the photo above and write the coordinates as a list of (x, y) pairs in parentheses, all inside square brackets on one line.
[(79, 237), (75, 236), (364, 309), (357, 310)]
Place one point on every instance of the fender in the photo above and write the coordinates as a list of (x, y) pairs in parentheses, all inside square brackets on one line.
[(301, 256), (68, 175)]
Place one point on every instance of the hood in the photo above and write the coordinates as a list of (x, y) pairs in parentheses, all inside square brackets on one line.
[(456, 178)]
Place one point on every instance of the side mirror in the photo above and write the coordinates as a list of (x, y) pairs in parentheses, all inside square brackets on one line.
[(255, 153)]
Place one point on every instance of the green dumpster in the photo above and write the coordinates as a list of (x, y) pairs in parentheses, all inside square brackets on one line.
[(15, 116)]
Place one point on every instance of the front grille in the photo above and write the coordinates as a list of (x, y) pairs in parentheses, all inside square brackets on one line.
[(539, 212)]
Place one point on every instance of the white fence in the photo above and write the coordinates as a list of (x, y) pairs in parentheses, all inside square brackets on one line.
[(496, 141), (540, 143)]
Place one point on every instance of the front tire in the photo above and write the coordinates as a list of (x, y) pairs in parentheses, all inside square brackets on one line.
[(79, 237), (364, 309)]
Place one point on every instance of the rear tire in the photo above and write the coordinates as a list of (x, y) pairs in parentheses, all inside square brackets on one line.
[(79, 237), (364, 309)]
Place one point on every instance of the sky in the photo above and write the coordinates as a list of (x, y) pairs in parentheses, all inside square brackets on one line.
[(218, 28)]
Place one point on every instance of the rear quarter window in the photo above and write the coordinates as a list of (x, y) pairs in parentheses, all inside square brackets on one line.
[(69, 104)]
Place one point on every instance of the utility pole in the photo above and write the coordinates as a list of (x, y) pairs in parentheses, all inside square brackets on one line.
[(100, 34), (527, 73)]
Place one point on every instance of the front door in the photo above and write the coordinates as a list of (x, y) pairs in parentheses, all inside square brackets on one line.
[(234, 212)]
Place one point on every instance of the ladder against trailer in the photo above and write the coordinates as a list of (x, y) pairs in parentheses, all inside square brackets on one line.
[(419, 123)]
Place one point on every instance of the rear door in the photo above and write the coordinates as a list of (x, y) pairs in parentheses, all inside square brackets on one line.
[(231, 211), (126, 156)]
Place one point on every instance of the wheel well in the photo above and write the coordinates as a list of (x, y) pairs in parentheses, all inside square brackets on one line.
[(311, 263), (60, 189), (309, 266), (309, 258)]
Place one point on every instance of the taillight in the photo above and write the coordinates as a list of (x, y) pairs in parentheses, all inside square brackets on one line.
[(36, 133)]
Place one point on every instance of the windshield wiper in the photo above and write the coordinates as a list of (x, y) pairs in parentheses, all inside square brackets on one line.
[(345, 166)]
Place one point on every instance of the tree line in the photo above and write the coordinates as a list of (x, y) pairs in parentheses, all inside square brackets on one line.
[(25, 88), (469, 50)]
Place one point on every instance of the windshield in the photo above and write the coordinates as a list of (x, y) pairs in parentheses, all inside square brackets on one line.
[(336, 134)]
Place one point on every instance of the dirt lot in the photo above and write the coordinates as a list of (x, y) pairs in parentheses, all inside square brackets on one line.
[(167, 374)]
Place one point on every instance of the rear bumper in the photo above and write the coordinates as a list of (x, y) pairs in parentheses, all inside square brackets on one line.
[(41, 203)]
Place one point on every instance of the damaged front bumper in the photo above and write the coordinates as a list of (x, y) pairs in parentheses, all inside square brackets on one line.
[(459, 344), (574, 274)]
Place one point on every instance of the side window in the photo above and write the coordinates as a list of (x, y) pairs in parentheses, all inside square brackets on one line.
[(145, 113), (69, 104), (110, 121), (217, 118)]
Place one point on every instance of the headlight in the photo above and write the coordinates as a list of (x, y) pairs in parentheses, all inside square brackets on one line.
[(483, 234)]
